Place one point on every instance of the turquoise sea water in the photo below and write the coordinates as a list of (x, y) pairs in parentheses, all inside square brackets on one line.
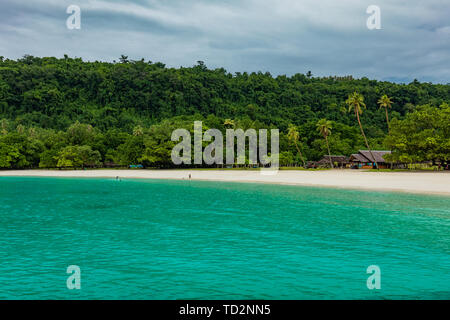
[(157, 239)]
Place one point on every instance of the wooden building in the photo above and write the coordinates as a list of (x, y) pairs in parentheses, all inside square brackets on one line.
[(363, 159), (338, 161)]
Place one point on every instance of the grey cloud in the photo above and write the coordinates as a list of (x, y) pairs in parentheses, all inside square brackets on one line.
[(327, 37)]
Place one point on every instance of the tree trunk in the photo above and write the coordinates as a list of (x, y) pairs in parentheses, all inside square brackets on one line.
[(329, 153), (389, 127), (387, 120), (301, 156), (365, 139)]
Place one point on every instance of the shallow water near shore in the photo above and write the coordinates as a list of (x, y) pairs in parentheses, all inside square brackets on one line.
[(160, 239)]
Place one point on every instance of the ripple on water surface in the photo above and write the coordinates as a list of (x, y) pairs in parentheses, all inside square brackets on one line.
[(157, 239)]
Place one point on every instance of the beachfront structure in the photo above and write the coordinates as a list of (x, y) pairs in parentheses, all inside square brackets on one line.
[(338, 161), (363, 159)]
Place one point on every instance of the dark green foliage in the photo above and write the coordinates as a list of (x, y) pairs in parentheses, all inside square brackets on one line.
[(69, 102), (423, 135)]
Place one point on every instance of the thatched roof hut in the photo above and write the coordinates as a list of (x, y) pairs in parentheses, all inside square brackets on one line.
[(340, 160), (365, 160), (365, 156)]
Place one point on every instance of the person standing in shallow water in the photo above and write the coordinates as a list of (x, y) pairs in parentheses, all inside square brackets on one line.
[(190, 177)]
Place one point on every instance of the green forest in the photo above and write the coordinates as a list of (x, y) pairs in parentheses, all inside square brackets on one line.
[(71, 113)]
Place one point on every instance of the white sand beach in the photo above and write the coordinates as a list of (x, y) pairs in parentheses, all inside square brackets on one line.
[(414, 182)]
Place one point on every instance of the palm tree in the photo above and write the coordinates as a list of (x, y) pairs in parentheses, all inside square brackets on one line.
[(324, 126), (32, 132), (355, 101), (4, 126), (228, 123), (123, 59), (138, 131), (386, 102), (293, 137), (20, 129)]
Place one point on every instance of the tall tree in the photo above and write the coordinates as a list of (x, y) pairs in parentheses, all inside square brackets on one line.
[(293, 136), (138, 131), (423, 135), (386, 102), (4, 124), (228, 124), (324, 126), (123, 59), (355, 102)]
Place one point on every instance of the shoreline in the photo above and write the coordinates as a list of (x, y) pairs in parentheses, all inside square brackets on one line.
[(437, 183)]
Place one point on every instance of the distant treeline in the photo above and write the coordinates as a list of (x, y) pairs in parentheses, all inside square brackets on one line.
[(67, 112)]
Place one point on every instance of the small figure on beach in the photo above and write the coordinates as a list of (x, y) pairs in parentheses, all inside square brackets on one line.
[(190, 177)]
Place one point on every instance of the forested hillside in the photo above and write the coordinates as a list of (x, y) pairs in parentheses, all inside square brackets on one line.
[(67, 112)]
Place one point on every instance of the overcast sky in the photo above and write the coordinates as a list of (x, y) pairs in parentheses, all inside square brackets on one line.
[(328, 37)]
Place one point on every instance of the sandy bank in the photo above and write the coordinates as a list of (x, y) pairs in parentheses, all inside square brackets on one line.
[(415, 182)]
